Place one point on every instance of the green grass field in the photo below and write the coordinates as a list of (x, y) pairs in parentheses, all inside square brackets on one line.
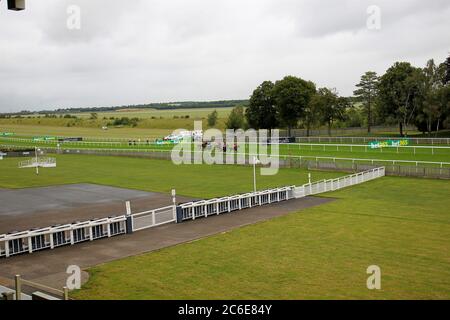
[(201, 181), (149, 119), (95, 132), (399, 224), (289, 150), (194, 113)]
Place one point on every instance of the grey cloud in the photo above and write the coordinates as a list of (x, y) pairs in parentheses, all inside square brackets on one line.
[(153, 50)]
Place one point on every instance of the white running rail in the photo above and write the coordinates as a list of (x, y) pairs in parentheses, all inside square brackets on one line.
[(206, 208), (40, 162), (56, 236), (153, 218), (51, 237), (338, 183)]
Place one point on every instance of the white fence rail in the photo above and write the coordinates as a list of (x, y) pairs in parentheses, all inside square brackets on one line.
[(153, 218), (40, 162), (338, 183), (52, 237), (166, 154), (432, 141), (206, 208)]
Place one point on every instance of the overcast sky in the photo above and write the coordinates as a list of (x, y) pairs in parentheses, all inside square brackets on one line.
[(138, 51)]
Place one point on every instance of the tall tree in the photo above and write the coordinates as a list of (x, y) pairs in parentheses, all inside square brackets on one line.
[(431, 108), (366, 94), (311, 116), (331, 107), (212, 118), (236, 119), (261, 112), (292, 96), (447, 76), (399, 94)]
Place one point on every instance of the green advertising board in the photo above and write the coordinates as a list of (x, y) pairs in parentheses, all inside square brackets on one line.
[(388, 143), (6, 134), (44, 138), (167, 142)]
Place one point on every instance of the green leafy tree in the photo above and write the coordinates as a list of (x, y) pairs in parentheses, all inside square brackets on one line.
[(261, 112), (292, 96), (236, 119), (399, 93), (212, 118), (367, 93), (311, 115), (431, 109), (447, 70), (330, 106)]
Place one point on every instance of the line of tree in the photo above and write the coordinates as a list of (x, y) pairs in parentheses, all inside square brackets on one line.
[(293, 101), (405, 95), (157, 106)]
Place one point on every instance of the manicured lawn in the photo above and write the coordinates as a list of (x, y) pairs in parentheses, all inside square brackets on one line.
[(295, 150), (96, 132), (399, 224), (201, 181)]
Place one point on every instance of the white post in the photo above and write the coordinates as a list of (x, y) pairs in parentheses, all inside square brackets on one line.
[(52, 244), (37, 162), (174, 197), (254, 173), (30, 245), (309, 178), (7, 248), (128, 207)]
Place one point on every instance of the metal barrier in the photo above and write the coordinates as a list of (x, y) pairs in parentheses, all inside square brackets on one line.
[(41, 162), (52, 237), (49, 238), (432, 141), (153, 218), (56, 294), (338, 183), (206, 208)]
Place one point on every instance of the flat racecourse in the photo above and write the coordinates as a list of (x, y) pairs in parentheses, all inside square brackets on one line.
[(399, 224)]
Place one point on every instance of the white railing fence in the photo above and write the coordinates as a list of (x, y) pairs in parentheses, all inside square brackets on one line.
[(338, 183), (40, 162), (56, 236), (205, 208), (153, 218)]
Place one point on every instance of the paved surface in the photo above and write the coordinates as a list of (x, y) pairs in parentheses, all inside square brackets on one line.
[(42, 207), (61, 197), (48, 267)]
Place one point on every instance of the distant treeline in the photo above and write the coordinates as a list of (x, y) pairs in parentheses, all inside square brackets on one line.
[(157, 106)]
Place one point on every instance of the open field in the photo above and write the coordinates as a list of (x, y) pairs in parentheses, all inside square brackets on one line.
[(40, 130), (318, 253), (400, 224), (307, 151), (164, 124), (201, 181), (193, 113), (148, 119), (149, 128)]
